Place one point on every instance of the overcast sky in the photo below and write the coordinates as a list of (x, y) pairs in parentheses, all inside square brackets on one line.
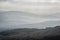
[(32, 6), (37, 11)]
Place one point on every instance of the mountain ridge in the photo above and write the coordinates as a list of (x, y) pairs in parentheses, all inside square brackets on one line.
[(31, 33)]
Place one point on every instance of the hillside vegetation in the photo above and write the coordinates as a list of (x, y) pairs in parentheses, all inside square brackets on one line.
[(31, 34)]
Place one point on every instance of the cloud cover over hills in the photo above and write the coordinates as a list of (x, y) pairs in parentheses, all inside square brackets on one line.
[(18, 19), (20, 12)]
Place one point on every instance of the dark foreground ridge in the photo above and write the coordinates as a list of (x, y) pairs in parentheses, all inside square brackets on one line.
[(31, 34)]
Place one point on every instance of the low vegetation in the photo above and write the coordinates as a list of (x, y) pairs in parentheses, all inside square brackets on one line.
[(31, 34)]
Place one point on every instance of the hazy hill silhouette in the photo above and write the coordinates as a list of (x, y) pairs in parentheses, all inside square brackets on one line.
[(31, 34)]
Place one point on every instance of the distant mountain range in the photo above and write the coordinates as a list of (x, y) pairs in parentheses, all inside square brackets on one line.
[(18, 19), (41, 25), (49, 33)]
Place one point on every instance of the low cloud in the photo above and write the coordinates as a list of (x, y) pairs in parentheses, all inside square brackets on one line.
[(36, 11)]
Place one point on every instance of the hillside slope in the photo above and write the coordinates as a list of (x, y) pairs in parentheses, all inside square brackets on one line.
[(31, 34)]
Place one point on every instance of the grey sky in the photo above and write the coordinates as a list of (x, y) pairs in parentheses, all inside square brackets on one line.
[(32, 6), (33, 11)]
